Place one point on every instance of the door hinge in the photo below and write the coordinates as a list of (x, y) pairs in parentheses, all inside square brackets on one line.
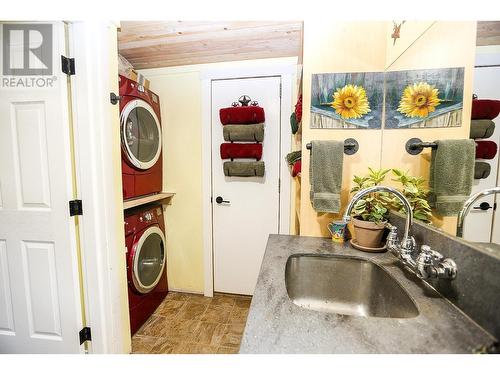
[(85, 335), (280, 89), (68, 65), (279, 184), (75, 207)]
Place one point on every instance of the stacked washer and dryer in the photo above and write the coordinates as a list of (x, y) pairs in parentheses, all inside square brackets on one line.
[(141, 142)]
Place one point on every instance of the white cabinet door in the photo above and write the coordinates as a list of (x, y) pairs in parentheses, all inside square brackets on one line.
[(241, 227), (40, 305)]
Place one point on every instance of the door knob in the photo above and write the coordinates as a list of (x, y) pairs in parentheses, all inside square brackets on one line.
[(219, 200), (485, 206)]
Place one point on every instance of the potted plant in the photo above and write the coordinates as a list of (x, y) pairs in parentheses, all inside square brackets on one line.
[(370, 213), (413, 189)]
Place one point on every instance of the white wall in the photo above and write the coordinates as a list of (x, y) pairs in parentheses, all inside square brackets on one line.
[(98, 156)]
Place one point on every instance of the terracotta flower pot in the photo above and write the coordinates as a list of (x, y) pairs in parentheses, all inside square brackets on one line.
[(368, 234)]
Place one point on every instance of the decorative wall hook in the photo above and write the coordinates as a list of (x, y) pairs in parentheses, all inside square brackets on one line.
[(244, 100)]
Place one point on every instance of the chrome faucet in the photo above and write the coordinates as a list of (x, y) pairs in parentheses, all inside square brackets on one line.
[(467, 206), (428, 263)]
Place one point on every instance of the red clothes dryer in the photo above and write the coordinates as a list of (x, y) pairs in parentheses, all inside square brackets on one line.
[(141, 140), (146, 262)]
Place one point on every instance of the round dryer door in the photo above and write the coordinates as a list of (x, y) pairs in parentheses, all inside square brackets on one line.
[(141, 134), (148, 260)]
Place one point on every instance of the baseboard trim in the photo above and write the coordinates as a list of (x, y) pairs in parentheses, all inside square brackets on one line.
[(185, 291)]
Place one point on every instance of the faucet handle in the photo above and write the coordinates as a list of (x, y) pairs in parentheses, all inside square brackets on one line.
[(392, 241), (436, 256), (425, 256), (431, 263), (393, 232), (447, 269), (425, 261), (408, 245)]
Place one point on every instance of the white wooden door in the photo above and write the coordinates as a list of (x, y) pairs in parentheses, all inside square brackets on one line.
[(241, 227), (478, 224), (40, 305)]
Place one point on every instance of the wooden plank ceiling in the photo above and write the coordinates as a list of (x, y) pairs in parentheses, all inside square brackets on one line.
[(154, 44), (488, 33)]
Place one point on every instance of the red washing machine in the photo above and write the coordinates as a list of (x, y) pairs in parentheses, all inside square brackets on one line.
[(146, 262), (141, 140)]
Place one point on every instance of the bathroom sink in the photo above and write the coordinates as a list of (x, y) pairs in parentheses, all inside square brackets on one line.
[(346, 285)]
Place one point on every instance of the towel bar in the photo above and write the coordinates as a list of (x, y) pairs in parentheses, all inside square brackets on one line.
[(351, 146), (414, 146)]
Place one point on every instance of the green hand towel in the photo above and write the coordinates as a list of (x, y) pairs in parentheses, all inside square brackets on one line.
[(244, 169), (481, 170), (481, 128), (244, 133), (294, 124), (325, 173), (451, 175), (293, 156)]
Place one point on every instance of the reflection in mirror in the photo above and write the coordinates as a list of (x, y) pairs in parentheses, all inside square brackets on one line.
[(447, 45), (401, 35), (479, 221), (470, 204)]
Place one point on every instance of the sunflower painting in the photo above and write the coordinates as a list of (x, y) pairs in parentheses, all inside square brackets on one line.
[(347, 100), (424, 98), (419, 100), (351, 102)]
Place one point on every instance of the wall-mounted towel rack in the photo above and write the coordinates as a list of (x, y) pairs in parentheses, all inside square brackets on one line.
[(414, 146), (351, 146)]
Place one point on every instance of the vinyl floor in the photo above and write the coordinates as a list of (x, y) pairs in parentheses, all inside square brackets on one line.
[(193, 324)]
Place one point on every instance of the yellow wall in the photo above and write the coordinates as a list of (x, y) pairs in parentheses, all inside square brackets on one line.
[(443, 45), (180, 99), (338, 47), (179, 89)]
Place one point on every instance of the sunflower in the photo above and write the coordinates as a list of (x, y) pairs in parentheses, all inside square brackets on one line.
[(351, 102), (419, 100)]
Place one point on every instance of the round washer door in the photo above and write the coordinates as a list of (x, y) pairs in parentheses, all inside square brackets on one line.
[(140, 134), (148, 260)]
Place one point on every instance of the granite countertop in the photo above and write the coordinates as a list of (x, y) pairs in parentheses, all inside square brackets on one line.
[(276, 325)]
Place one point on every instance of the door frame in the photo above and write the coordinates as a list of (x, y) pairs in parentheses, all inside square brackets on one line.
[(286, 69), (97, 154)]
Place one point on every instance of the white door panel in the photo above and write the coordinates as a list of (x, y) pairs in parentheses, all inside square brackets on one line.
[(6, 313), (241, 228), (40, 306)]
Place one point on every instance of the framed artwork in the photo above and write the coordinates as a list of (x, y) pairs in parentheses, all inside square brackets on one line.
[(347, 100), (427, 98)]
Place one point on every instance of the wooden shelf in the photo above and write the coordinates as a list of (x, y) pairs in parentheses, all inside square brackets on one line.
[(162, 198)]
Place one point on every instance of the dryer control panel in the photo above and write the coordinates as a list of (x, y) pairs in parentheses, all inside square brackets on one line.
[(150, 216)]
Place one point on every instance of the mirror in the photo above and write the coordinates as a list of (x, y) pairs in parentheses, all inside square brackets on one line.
[(407, 81), (440, 45)]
